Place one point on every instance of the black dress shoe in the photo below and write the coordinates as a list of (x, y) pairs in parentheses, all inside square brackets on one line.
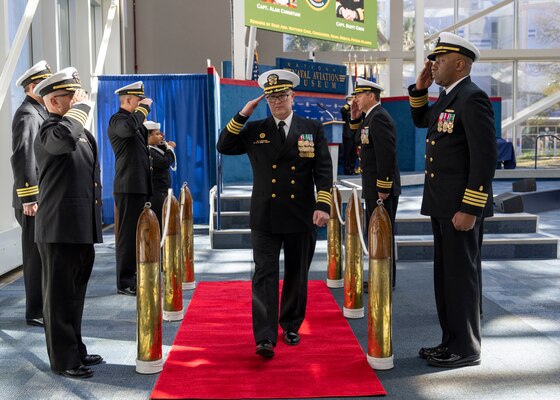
[(426, 352), (91, 359), (291, 338), (265, 349), (129, 291), (36, 322), (450, 360), (79, 372)]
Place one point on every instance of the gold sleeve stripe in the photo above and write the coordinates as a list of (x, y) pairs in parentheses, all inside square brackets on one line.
[(417, 102), (30, 191), (234, 127), (384, 184), (472, 203), (75, 118), (77, 115), (354, 126), (324, 197), (474, 194), (142, 110), (474, 198)]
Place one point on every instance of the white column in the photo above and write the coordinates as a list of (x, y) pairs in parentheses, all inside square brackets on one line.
[(45, 34), (419, 36), (238, 39), (81, 42), (10, 242), (395, 84)]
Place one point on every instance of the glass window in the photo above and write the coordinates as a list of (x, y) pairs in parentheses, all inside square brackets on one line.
[(63, 11), (538, 24), (96, 32), (16, 9), (496, 79), (494, 30), (536, 80)]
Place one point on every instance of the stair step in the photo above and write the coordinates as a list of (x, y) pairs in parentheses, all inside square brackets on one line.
[(420, 247), (495, 247), (409, 223), (233, 219), (231, 239), (412, 223)]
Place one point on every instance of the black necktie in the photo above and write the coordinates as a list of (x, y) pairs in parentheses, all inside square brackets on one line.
[(281, 131), (443, 93)]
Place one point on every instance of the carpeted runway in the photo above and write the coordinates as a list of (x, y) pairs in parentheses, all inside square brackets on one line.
[(213, 356)]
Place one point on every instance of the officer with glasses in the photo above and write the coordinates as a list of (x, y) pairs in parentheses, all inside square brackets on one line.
[(292, 180)]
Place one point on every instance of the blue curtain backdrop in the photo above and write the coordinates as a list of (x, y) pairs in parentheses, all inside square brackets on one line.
[(180, 106)]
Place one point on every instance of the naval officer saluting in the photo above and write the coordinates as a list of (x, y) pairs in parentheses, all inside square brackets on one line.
[(290, 161), (460, 163), (68, 220), (132, 184)]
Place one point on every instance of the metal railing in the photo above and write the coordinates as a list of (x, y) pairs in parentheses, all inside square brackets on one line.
[(537, 145), (219, 190)]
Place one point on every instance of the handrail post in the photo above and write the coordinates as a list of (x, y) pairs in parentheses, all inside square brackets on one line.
[(536, 149), (537, 144), (220, 184)]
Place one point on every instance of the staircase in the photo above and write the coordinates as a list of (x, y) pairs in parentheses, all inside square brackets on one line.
[(507, 236)]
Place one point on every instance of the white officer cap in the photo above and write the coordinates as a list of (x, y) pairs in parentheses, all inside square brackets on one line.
[(278, 80), (363, 85), (136, 89), (39, 71), (65, 79), (450, 43), (151, 125)]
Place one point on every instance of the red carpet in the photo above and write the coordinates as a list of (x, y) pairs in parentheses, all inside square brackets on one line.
[(213, 356)]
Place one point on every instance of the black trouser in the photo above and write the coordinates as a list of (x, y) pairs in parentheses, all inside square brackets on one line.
[(349, 155), (157, 200), (31, 266), (66, 272), (390, 203), (129, 207), (457, 286), (298, 254)]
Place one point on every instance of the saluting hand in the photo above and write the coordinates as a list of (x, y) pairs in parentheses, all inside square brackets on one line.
[(250, 106), (424, 80), (80, 95), (147, 101), (355, 111)]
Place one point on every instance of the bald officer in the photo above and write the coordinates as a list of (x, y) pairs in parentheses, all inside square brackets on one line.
[(132, 184), (25, 126), (377, 134), (460, 162), (290, 160), (68, 220)]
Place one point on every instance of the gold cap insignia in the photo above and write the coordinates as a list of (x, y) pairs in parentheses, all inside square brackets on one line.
[(272, 79), (76, 77)]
